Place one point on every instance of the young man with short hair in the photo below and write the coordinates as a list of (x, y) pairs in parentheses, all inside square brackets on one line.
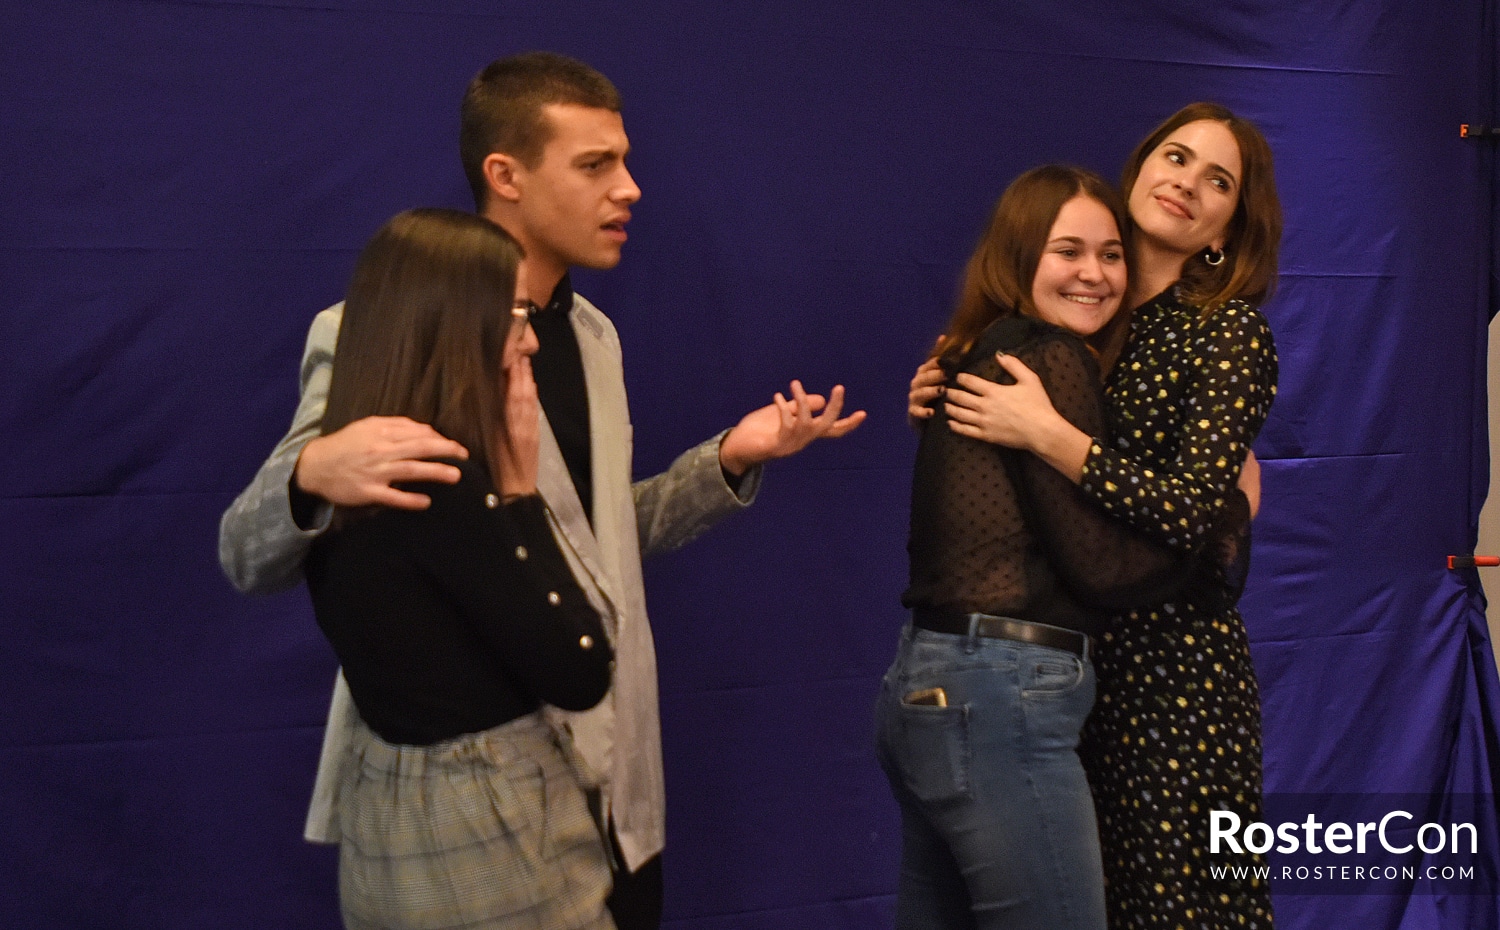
[(544, 148)]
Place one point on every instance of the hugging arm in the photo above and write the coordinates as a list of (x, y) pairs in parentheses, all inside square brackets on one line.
[(1104, 563), (1233, 372), (1234, 383), (266, 533), (262, 542)]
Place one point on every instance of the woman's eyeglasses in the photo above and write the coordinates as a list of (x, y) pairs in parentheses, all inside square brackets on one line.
[(521, 313)]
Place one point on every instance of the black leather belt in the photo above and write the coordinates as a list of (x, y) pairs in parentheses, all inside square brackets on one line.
[(1020, 631)]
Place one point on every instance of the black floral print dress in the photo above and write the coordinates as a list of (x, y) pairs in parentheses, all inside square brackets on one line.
[(1175, 731)]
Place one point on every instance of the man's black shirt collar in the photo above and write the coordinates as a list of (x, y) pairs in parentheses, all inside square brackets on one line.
[(562, 296)]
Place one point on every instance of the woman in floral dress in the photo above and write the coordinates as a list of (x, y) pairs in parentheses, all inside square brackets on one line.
[(1175, 732)]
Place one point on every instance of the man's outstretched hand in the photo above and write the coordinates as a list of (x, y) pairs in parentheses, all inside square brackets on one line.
[(785, 427), (355, 466)]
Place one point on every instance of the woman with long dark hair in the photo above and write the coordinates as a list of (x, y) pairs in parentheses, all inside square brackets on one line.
[(1176, 732), (1012, 570), (459, 804)]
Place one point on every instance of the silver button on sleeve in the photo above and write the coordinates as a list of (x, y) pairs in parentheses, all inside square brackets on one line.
[(491, 501)]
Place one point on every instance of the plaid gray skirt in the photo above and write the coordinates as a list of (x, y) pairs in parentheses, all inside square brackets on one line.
[(489, 830)]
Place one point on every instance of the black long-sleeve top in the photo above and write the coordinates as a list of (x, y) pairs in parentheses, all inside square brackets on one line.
[(999, 531), (457, 618)]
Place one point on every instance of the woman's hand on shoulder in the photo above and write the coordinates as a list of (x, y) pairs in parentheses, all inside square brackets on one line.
[(520, 440), (926, 387), (1003, 414), (1020, 416)]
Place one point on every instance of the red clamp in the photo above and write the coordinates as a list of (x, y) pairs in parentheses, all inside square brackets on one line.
[(1473, 561)]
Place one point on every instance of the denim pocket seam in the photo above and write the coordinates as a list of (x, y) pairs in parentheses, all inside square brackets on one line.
[(1077, 669)]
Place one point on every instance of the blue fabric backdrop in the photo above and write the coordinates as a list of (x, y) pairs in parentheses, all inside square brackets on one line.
[(186, 183)]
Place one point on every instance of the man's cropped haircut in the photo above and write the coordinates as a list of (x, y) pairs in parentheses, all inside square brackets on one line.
[(502, 109)]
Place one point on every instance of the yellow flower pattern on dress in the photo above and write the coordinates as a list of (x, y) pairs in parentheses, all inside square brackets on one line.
[(1175, 731)]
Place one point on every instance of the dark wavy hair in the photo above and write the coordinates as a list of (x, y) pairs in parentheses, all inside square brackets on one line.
[(999, 276), (424, 329), (1254, 234)]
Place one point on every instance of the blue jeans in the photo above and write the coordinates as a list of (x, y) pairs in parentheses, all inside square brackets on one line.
[(997, 822)]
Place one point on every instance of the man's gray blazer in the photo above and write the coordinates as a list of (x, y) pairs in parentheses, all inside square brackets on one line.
[(261, 550)]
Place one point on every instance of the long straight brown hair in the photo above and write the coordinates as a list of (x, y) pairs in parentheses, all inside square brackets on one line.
[(999, 276), (424, 329), (1254, 234)]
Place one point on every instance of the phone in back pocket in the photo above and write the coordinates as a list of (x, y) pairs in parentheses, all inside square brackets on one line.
[(929, 697)]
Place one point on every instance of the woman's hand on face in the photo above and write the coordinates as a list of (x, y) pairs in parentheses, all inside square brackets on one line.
[(1003, 414), (520, 439), (926, 387)]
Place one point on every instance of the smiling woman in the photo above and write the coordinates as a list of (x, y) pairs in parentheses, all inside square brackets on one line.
[(1012, 570), (1201, 157), (1191, 390), (1080, 277), (1199, 185)]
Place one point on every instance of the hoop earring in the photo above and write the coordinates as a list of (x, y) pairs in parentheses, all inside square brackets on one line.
[(1214, 258)]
